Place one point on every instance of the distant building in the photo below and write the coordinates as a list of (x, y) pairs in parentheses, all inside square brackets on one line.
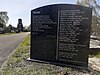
[(20, 25)]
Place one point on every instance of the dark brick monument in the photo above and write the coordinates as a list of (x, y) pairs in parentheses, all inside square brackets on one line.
[(60, 33), (20, 25)]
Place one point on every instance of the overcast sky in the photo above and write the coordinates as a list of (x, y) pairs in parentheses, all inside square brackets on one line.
[(21, 8)]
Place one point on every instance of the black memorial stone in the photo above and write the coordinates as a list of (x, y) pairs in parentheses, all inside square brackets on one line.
[(61, 33)]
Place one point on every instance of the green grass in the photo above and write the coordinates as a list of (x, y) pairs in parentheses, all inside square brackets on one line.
[(7, 34), (97, 55), (17, 64), (11, 33)]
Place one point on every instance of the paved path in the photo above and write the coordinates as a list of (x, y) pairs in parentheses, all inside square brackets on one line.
[(8, 43), (94, 44), (95, 62)]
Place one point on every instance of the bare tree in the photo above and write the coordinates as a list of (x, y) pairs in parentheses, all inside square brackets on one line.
[(95, 13), (3, 18)]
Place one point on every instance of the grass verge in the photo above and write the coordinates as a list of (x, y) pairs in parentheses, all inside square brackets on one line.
[(11, 33), (7, 34), (96, 54)]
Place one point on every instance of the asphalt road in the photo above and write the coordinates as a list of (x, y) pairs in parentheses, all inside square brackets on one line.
[(8, 44), (94, 44)]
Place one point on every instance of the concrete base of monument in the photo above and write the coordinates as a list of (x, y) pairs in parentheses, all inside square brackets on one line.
[(60, 64)]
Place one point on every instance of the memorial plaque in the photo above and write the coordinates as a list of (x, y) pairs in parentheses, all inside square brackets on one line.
[(60, 33)]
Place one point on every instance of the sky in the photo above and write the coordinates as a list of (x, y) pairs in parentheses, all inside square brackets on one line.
[(22, 8)]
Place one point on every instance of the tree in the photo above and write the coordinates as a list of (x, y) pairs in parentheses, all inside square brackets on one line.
[(95, 13), (10, 28), (3, 19)]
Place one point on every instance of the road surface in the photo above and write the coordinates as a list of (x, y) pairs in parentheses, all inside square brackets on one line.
[(8, 44), (95, 62), (94, 44)]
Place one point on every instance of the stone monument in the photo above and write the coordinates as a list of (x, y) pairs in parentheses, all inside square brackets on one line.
[(60, 33), (20, 25)]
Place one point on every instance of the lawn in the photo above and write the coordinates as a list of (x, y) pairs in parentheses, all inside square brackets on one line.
[(7, 34), (96, 54), (17, 64), (10, 33)]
